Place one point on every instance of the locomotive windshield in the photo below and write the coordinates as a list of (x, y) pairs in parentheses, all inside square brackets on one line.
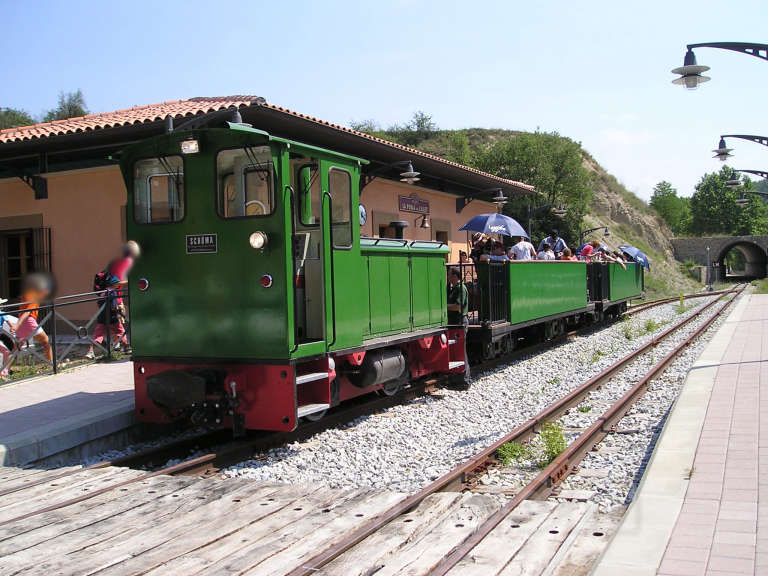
[(245, 178), (158, 190)]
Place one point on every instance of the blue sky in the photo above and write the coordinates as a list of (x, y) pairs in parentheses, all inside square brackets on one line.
[(596, 71)]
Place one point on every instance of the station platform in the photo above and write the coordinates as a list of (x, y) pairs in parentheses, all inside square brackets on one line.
[(702, 506), (52, 414)]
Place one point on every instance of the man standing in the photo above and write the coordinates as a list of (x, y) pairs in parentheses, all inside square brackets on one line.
[(523, 250), (458, 307), (557, 243)]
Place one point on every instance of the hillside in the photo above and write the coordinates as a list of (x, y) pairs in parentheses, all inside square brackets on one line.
[(629, 219)]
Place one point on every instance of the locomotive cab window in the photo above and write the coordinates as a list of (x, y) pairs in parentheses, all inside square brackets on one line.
[(158, 194), (245, 182), (340, 185)]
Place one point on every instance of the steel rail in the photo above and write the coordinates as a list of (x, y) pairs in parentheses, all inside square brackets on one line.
[(567, 461), (648, 305), (520, 433)]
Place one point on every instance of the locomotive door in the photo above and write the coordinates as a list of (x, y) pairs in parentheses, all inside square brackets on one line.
[(341, 239), (308, 256)]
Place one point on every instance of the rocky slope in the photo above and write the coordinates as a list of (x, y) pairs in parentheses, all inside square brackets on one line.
[(632, 221)]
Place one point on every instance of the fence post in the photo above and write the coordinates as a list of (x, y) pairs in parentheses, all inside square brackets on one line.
[(108, 324), (54, 337)]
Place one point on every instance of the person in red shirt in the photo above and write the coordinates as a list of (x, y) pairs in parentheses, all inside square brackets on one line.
[(117, 271), (587, 251)]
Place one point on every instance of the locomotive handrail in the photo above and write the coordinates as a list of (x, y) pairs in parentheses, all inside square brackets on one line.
[(291, 207), (333, 281)]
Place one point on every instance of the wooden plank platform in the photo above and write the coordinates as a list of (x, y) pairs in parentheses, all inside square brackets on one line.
[(194, 526)]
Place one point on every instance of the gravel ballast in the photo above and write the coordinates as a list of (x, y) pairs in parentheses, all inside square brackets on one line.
[(407, 446)]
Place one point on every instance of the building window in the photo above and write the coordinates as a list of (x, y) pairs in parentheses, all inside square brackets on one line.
[(340, 187), (246, 182), (441, 236), (22, 252), (158, 190)]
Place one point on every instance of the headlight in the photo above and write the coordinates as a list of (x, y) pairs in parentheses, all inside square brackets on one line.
[(257, 240), (190, 147)]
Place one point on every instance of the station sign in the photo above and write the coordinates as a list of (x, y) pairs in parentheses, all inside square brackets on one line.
[(413, 203)]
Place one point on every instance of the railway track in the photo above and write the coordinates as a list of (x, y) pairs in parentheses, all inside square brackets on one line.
[(220, 451), (550, 476), (645, 306), (82, 515)]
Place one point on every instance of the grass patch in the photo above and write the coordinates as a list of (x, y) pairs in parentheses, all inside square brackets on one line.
[(513, 452), (761, 286), (553, 440), (585, 408), (596, 355), (553, 381), (626, 329), (650, 325)]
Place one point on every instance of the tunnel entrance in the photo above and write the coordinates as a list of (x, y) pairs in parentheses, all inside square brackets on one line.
[(741, 260)]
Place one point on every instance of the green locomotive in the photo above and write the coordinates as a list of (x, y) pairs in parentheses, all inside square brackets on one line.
[(256, 302)]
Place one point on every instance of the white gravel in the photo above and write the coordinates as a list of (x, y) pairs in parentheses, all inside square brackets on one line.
[(407, 446)]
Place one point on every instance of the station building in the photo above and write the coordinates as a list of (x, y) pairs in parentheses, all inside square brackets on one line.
[(62, 196)]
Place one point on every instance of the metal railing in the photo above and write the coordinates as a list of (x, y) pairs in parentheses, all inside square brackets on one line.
[(69, 324), (488, 290)]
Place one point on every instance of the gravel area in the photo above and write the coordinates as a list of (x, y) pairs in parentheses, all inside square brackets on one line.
[(407, 446), (611, 474)]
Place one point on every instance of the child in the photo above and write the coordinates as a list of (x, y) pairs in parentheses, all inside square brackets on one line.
[(37, 289)]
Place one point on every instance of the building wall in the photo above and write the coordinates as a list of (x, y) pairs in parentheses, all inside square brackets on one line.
[(85, 212), (380, 199)]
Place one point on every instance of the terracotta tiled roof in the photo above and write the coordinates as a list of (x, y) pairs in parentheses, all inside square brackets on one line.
[(136, 115), (179, 109)]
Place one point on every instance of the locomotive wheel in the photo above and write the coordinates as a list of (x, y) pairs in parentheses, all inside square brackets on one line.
[(315, 416), (390, 388)]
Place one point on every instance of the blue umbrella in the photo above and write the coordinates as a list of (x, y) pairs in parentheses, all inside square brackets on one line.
[(495, 224), (638, 255)]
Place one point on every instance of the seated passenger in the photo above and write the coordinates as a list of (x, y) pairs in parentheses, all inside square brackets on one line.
[(588, 249), (546, 252), (522, 251), (557, 244), (568, 255), (497, 254)]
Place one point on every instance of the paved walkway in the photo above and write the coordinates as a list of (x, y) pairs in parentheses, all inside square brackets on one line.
[(47, 415), (702, 507)]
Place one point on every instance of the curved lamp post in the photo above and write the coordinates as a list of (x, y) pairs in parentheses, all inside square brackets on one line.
[(583, 233), (735, 182), (691, 73), (722, 152)]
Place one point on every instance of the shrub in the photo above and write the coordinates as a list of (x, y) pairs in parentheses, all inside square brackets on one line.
[(513, 452), (554, 441)]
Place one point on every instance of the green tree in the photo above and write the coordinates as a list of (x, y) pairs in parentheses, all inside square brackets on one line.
[(71, 105), (368, 126), (11, 118), (555, 166), (752, 217), (459, 149), (713, 205), (673, 209)]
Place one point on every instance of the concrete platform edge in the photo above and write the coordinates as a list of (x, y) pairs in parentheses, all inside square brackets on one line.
[(639, 544), (65, 434)]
